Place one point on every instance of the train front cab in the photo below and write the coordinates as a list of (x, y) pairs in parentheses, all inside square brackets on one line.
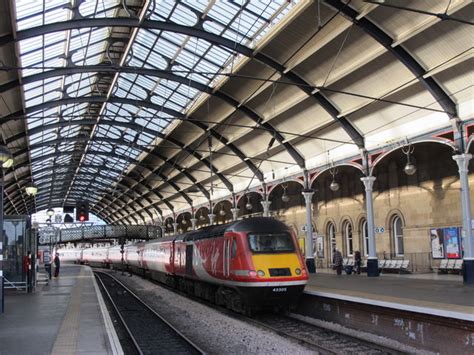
[(269, 266)]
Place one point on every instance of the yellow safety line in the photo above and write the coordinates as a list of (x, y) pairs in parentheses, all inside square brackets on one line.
[(66, 340)]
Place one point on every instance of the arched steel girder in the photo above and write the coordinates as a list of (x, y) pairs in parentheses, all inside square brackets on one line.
[(355, 135), (133, 161), (119, 209), (172, 77), (136, 127), (171, 163), (123, 187), (398, 52), (26, 178)]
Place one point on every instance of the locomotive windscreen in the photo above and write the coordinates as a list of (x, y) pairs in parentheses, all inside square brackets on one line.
[(271, 243)]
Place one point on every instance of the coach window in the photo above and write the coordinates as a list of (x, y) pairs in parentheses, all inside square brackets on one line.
[(348, 238), (397, 234), (364, 232), (331, 232)]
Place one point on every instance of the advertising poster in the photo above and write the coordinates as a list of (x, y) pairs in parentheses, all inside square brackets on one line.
[(437, 243), (451, 242)]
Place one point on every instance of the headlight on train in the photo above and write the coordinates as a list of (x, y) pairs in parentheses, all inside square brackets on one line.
[(260, 273), (298, 271)]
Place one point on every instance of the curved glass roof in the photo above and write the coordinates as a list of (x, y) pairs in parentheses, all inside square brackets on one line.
[(71, 136)]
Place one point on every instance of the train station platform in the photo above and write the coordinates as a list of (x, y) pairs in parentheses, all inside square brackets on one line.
[(65, 316), (431, 294)]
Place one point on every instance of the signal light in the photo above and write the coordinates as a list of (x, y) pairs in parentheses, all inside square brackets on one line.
[(82, 211)]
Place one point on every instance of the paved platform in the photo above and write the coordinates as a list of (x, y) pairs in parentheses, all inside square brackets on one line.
[(67, 316), (444, 296)]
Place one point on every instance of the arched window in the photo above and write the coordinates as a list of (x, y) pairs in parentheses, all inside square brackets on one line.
[(348, 238), (397, 234), (364, 233), (331, 232)]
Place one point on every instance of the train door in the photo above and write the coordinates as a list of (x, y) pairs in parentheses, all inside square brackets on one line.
[(189, 260), (230, 251), (226, 257)]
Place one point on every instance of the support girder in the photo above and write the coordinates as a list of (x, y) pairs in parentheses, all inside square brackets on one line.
[(194, 32), (136, 127), (448, 105)]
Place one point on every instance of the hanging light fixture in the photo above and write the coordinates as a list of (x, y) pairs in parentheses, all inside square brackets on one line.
[(169, 225), (50, 212), (222, 212), (409, 168), (248, 204), (31, 189), (285, 197), (201, 217), (334, 186), (184, 221), (6, 157)]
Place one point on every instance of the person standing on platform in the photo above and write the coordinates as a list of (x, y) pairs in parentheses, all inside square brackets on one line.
[(357, 262), (47, 262), (57, 264), (337, 261)]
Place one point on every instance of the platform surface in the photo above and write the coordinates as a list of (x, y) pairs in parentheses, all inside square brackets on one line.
[(441, 295), (63, 317)]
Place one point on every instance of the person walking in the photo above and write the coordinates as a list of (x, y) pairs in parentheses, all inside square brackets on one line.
[(357, 261), (337, 261), (57, 264)]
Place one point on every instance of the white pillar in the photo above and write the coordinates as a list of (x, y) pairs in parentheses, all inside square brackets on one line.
[(372, 262), (212, 216), (468, 264), (266, 207), (193, 223), (235, 213), (310, 264), (175, 228)]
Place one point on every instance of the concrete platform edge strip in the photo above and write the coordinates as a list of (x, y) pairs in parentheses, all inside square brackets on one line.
[(400, 306), (109, 327)]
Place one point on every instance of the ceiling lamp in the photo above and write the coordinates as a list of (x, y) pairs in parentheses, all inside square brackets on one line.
[(222, 212), (409, 168), (31, 189), (248, 205), (201, 217), (50, 212), (285, 197), (6, 158), (334, 186), (184, 221)]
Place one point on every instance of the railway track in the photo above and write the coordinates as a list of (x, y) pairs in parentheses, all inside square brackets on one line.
[(322, 340), (148, 331)]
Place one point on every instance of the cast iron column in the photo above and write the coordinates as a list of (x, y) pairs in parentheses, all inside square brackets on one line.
[(212, 216), (2, 304), (266, 207), (235, 213), (372, 262), (175, 228), (468, 264), (310, 264), (193, 223)]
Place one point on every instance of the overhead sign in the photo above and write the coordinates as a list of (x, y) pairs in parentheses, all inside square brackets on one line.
[(379, 229)]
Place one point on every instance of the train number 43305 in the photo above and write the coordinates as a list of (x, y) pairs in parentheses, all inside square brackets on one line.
[(279, 289)]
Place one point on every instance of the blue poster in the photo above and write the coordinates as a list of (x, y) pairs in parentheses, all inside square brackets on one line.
[(451, 243)]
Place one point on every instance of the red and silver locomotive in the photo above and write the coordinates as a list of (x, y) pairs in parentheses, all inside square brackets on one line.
[(247, 265)]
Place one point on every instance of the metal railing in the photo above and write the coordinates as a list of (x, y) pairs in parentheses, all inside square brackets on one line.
[(78, 234)]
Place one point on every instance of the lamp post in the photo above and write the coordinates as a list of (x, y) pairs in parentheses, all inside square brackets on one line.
[(6, 161)]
